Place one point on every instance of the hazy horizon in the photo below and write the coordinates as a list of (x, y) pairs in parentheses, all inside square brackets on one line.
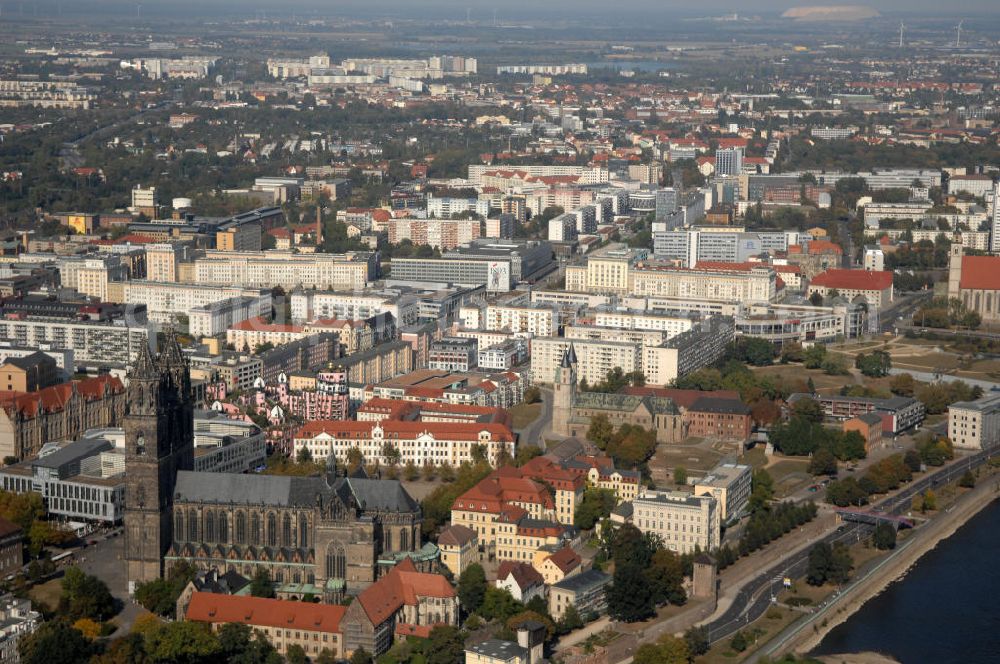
[(480, 10)]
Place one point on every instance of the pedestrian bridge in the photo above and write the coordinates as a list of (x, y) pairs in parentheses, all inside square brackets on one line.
[(873, 518)]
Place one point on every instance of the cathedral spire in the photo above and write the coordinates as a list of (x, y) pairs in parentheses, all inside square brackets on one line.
[(171, 356), (144, 366)]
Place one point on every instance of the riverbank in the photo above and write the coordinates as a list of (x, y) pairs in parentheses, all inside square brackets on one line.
[(925, 539)]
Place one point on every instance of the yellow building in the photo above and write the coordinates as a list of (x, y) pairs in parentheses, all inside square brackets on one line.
[(458, 546), (82, 223), (554, 567)]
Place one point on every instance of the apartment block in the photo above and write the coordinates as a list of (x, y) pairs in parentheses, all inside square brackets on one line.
[(682, 520), (975, 425), (730, 485), (166, 301)]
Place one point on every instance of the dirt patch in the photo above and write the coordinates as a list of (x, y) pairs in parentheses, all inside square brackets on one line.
[(47, 593)]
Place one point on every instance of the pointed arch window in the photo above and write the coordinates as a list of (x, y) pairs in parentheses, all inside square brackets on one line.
[(210, 527), (286, 530), (303, 531), (223, 527), (255, 529), (241, 528), (272, 530)]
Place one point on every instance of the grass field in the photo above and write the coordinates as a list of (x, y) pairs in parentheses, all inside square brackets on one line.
[(524, 414)]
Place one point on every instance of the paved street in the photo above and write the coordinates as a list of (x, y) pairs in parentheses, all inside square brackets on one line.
[(104, 560)]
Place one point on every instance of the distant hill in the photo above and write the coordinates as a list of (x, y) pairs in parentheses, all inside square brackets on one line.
[(831, 13)]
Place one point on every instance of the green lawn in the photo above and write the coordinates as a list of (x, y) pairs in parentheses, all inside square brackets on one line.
[(524, 414)]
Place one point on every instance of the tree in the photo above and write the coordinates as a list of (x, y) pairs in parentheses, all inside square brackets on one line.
[(55, 642), (183, 643), (912, 461), (472, 587), (532, 395), (296, 654), (829, 564), (354, 459), (570, 620), (808, 410), (823, 462), (600, 431), (967, 480), (841, 564), (739, 642), (361, 656), (884, 537), (875, 364), (665, 576), (303, 455), (428, 471), (928, 501), (260, 585), (814, 356), (902, 384), (820, 559), (754, 350), (85, 596), (499, 604), (668, 649), (410, 472), (847, 491), (391, 454), (595, 506), (445, 645), (680, 476), (89, 628), (762, 489), (697, 641), (130, 649)]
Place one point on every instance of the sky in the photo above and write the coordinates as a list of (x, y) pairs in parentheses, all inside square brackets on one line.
[(514, 9)]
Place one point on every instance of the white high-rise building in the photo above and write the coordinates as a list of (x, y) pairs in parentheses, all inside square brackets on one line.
[(729, 161), (995, 226)]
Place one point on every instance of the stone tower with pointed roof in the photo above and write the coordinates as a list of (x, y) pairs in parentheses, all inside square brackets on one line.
[(564, 392), (159, 442)]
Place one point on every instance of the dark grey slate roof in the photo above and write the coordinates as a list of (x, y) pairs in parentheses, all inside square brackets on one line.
[(253, 489), (592, 578), (502, 650), (382, 495), (369, 494)]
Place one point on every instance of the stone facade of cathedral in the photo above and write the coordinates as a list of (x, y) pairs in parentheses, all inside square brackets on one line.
[(314, 535)]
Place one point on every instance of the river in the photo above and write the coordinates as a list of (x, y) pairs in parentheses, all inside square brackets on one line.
[(944, 610)]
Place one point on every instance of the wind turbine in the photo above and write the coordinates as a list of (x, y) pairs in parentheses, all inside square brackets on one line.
[(901, 27), (958, 34)]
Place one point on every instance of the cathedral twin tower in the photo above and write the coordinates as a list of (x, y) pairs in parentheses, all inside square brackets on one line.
[(159, 442)]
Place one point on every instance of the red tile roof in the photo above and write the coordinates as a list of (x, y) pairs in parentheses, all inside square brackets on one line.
[(854, 279), (566, 559), (980, 272), (54, 398), (525, 576), (217, 608), (405, 429), (403, 585), (501, 489), (261, 325)]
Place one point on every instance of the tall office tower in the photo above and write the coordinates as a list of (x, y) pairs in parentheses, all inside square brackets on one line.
[(729, 161)]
